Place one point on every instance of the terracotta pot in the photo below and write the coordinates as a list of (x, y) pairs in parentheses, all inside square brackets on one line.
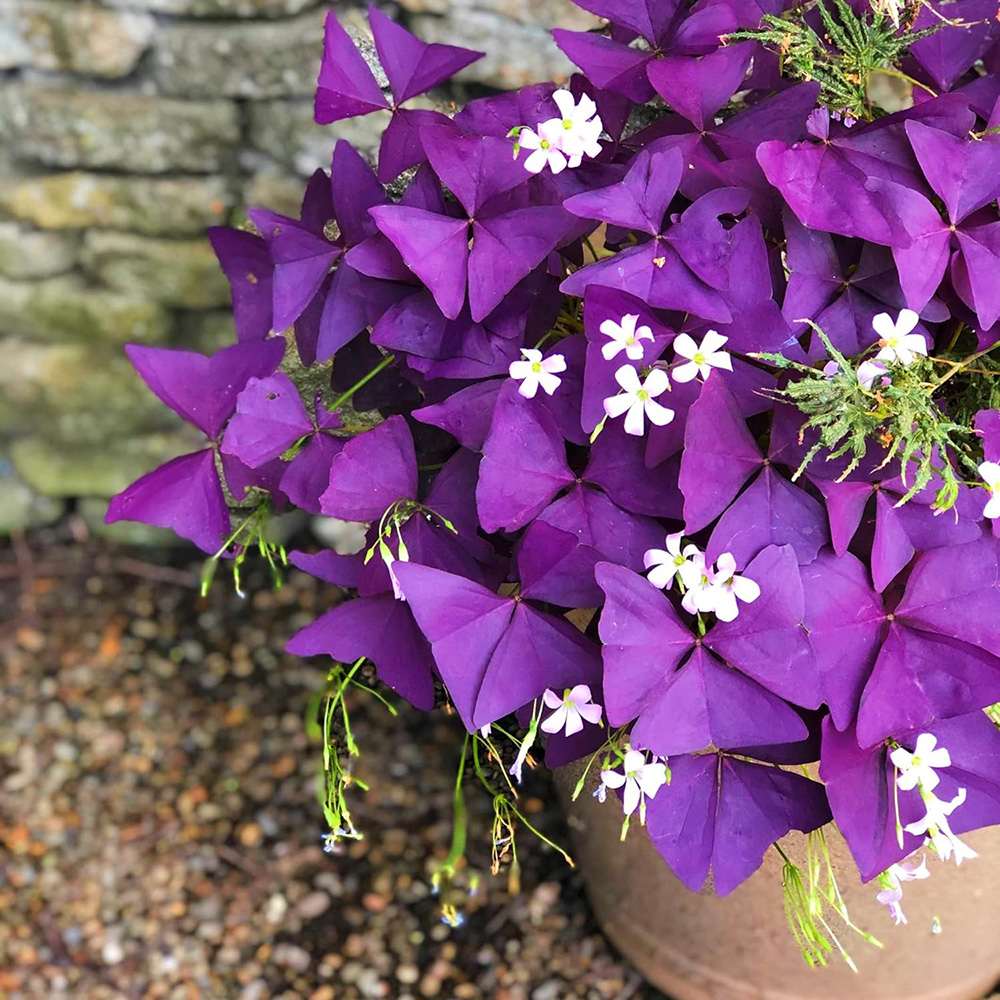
[(696, 946)]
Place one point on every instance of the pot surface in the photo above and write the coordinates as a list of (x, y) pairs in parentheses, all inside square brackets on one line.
[(696, 946)]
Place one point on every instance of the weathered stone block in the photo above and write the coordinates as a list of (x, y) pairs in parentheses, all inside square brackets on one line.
[(75, 37), (219, 8), (545, 13), (516, 54), (58, 469), (20, 507), (77, 392), (285, 130), (273, 59), (182, 273), (71, 127), (280, 192), (28, 253), (67, 309), (154, 206)]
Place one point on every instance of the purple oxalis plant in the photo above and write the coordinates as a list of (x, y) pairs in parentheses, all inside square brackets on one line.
[(664, 410)]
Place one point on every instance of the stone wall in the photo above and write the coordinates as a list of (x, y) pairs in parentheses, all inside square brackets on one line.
[(126, 128)]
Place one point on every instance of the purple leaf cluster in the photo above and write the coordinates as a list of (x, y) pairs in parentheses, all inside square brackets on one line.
[(492, 512)]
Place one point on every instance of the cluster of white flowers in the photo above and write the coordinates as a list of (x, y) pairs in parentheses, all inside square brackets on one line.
[(641, 777), (637, 400), (563, 141), (706, 589), (917, 770)]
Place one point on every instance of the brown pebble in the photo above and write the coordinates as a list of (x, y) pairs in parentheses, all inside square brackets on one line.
[(250, 835)]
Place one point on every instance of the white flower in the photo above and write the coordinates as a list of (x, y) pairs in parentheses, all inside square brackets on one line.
[(546, 147), (624, 337), (990, 472), (728, 587), (641, 780), (701, 594), (665, 564), (571, 711), (580, 124), (638, 399), (897, 341), (892, 881), (917, 768), (938, 830), (703, 357), (830, 369), (523, 750), (868, 371), (535, 371), (892, 898)]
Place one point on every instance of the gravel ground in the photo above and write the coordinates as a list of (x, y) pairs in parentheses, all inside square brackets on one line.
[(159, 832)]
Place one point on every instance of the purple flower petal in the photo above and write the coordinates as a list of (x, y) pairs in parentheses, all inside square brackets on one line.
[(767, 641), (382, 629), (719, 455), (771, 511), (412, 66), (183, 495), (371, 472), (245, 261), (203, 390), (270, 417), (345, 87), (524, 463)]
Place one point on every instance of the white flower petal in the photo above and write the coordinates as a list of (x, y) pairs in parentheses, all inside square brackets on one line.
[(658, 414), (686, 372), (551, 699), (906, 321), (635, 419), (883, 325), (628, 378), (613, 779), (745, 589), (529, 387), (990, 473), (556, 720), (574, 724), (685, 346), (657, 382), (548, 382), (630, 800), (712, 341), (615, 406), (535, 163)]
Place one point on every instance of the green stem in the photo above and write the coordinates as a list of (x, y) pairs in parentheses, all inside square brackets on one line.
[(459, 831), (961, 366), (363, 381)]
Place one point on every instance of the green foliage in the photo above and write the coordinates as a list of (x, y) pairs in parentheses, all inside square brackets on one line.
[(329, 722), (252, 533), (808, 895), (851, 49), (904, 418)]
